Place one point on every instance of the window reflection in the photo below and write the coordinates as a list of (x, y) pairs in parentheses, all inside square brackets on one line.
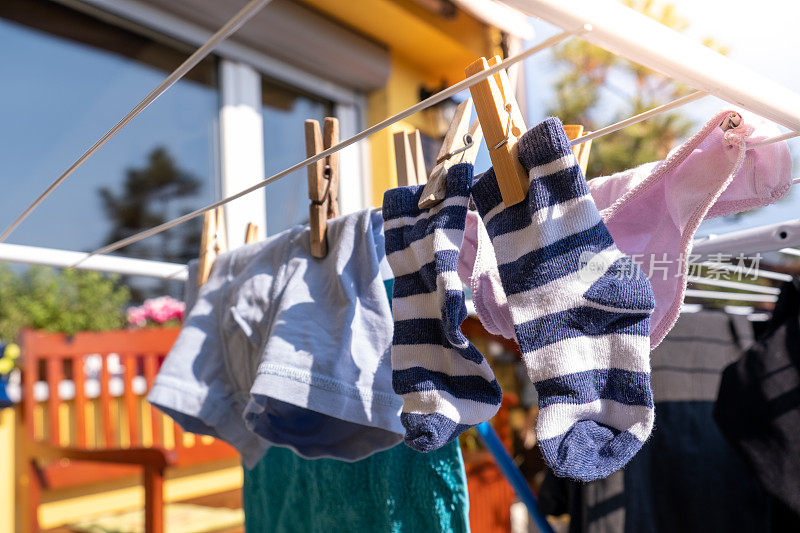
[(68, 79), (284, 113)]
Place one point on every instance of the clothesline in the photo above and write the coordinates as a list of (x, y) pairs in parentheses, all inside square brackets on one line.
[(777, 138), (237, 21), (424, 104), (678, 102), (696, 95), (443, 95), (245, 14), (228, 29)]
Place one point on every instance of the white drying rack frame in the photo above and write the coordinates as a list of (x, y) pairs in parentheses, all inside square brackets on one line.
[(770, 238), (628, 33), (112, 264)]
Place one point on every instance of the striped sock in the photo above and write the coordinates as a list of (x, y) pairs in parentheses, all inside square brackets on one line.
[(446, 384), (581, 311)]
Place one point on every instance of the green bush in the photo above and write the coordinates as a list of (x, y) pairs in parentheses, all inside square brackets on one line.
[(65, 301)]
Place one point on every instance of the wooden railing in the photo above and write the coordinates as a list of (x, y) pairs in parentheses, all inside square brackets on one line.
[(84, 417)]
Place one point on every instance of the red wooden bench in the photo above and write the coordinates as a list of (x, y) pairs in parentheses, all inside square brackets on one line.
[(85, 430)]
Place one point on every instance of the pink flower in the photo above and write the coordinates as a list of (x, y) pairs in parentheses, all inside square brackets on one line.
[(163, 309), (137, 316)]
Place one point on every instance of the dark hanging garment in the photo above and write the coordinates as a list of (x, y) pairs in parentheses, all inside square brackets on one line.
[(686, 478), (758, 408)]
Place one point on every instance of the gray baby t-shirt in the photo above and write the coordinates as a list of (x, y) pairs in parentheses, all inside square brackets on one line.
[(281, 348)]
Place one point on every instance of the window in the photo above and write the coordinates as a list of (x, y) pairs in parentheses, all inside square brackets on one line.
[(68, 78), (284, 112)]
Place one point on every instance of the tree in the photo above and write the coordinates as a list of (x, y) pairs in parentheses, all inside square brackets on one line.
[(590, 92), (150, 196), (65, 301)]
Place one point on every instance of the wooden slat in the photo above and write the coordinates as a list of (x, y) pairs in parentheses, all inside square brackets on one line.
[(177, 433), (250, 233), (330, 137), (316, 181), (150, 371), (40, 421), (188, 439), (404, 160), (490, 97), (318, 209), (64, 424), (120, 430), (167, 432), (29, 376), (107, 430), (213, 241), (581, 150), (583, 155), (92, 439), (131, 404), (55, 375), (146, 340), (153, 500), (436, 186), (79, 378), (317, 217), (415, 142), (96, 426)]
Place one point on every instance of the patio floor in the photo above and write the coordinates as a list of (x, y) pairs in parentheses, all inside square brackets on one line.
[(231, 499)]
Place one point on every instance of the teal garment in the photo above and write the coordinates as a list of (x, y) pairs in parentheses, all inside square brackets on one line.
[(397, 490)]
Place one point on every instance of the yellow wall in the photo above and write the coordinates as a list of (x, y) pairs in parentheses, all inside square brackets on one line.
[(439, 47), (427, 50), (401, 91)]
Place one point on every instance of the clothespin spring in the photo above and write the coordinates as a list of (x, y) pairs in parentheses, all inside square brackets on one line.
[(217, 242), (508, 128), (325, 195), (733, 120), (468, 142)]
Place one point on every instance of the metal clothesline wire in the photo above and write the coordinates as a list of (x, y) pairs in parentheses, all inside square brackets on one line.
[(683, 100), (240, 18), (443, 95), (424, 104), (245, 14), (777, 138)]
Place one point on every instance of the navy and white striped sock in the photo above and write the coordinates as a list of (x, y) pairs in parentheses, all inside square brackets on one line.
[(581, 311), (446, 384)]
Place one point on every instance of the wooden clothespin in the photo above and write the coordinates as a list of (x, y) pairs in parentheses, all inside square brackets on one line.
[(503, 125), (460, 145), (581, 150), (250, 233), (323, 182), (213, 241), (409, 159)]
